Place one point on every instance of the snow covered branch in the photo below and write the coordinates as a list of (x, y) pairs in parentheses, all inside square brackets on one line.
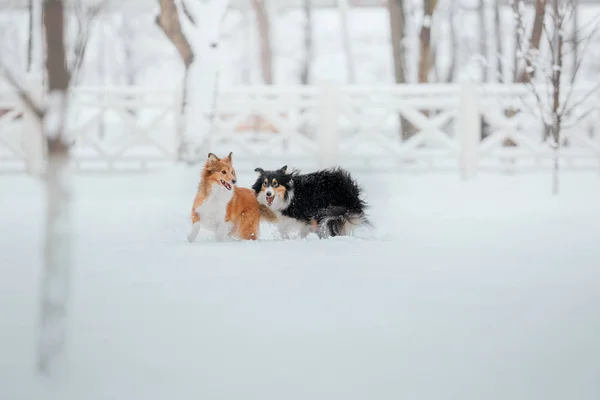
[(85, 17), (189, 24), (168, 21)]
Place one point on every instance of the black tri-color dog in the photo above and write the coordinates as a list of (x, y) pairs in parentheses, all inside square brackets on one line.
[(326, 202)]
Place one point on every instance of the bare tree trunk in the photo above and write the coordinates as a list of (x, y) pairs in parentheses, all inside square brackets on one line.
[(575, 54), (307, 62), (30, 37), (397, 32), (499, 46), (517, 40), (55, 279), (556, 77), (483, 42), (425, 41), (308, 43), (435, 69), (397, 24), (534, 41), (248, 26), (266, 53), (538, 24), (425, 53), (453, 43), (343, 11), (127, 35), (102, 71), (168, 21)]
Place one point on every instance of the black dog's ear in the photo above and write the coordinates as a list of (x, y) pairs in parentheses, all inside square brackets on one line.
[(260, 171), (283, 169)]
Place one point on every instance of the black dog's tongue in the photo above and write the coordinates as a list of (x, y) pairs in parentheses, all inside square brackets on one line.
[(270, 200)]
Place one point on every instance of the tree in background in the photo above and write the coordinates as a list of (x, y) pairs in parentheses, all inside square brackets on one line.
[(483, 39), (343, 8), (168, 21), (557, 104), (85, 16), (308, 42), (51, 117), (58, 189), (85, 12), (499, 46), (264, 29), (397, 15), (30, 15), (575, 39), (453, 43), (447, 15), (533, 46), (425, 40), (194, 28)]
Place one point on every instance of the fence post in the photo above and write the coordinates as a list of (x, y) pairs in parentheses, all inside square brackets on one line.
[(468, 129), (327, 125), (32, 135)]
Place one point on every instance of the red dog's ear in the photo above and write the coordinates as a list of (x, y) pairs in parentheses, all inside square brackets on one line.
[(229, 156), (212, 157)]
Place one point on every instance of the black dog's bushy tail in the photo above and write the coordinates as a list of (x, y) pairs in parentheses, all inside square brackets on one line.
[(340, 221)]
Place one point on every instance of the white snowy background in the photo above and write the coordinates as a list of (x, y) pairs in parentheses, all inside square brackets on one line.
[(488, 289), (481, 290)]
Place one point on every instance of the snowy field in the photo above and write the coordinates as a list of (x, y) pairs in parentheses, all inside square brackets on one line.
[(466, 290)]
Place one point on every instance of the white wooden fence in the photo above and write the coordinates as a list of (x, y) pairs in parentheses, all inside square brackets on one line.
[(462, 127)]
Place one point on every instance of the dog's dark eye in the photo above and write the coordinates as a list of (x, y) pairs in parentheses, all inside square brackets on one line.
[(223, 172), (264, 184)]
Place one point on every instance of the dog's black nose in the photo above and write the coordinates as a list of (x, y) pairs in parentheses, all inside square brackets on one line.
[(233, 181), (269, 194)]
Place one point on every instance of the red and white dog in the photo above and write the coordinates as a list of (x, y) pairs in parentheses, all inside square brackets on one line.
[(222, 207)]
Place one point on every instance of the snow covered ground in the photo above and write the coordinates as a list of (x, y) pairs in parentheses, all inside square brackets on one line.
[(467, 290)]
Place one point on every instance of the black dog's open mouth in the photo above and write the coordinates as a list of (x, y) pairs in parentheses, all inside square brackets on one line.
[(227, 185), (270, 200)]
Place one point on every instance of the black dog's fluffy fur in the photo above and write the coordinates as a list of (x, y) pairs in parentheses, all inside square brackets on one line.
[(329, 197)]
